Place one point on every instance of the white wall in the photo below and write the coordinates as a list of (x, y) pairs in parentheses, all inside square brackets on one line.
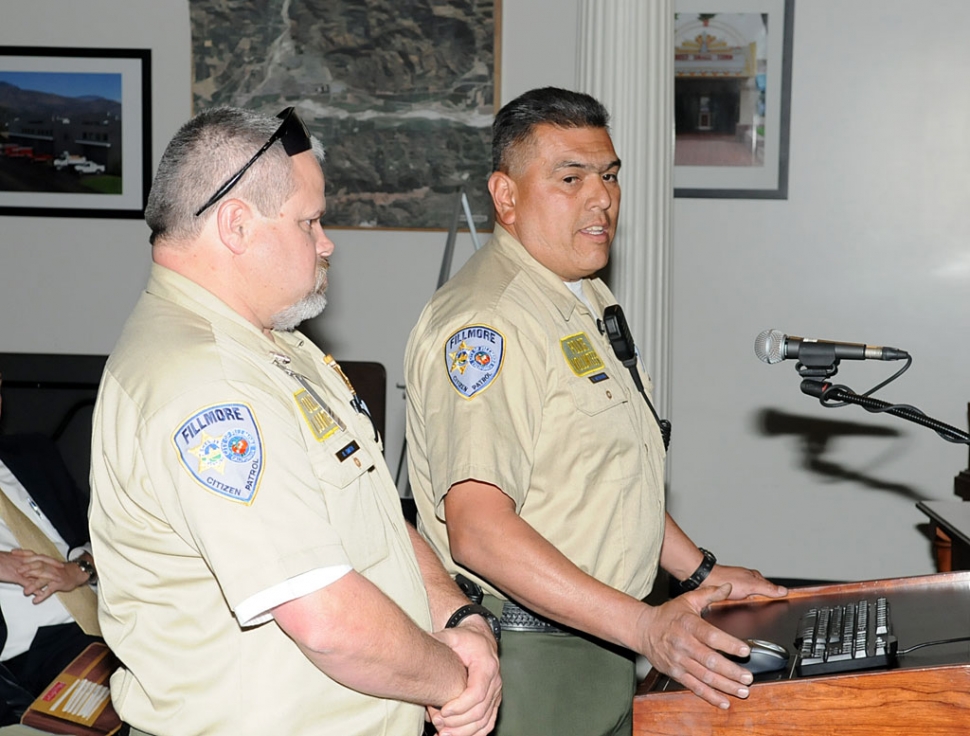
[(67, 284), (868, 248), (871, 246)]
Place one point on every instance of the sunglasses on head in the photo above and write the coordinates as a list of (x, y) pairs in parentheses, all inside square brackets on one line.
[(294, 136)]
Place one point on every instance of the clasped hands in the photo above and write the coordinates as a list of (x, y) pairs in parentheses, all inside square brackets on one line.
[(39, 575), (474, 711)]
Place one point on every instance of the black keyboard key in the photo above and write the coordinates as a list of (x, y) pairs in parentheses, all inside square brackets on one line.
[(844, 638)]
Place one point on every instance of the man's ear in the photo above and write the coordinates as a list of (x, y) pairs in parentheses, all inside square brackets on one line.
[(234, 220), (503, 190)]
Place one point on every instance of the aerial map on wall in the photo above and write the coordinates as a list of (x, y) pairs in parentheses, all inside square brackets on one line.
[(400, 92)]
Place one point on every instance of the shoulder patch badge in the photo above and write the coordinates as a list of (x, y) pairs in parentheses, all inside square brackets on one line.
[(580, 354), (222, 449), (473, 358)]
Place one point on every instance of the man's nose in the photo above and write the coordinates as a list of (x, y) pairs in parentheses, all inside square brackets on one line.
[(325, 245), (600, 195)]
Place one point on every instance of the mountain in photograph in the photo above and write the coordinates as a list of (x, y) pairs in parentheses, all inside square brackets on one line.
[(15, 101)]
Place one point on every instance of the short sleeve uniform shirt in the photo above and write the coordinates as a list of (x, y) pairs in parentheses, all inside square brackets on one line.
[(226, 464), (510, 382)]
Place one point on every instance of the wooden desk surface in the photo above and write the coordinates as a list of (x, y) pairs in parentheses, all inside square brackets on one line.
[(927, 693)]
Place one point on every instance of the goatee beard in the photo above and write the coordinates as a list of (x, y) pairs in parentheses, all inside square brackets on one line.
[(308, 307)]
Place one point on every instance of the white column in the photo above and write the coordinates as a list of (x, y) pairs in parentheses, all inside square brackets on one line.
[(625, 60)]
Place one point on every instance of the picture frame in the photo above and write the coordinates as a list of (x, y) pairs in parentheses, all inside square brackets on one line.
[(732, 90), (402, 101), (75, 131)]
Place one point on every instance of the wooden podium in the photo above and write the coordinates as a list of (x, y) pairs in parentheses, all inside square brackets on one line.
[(927, 693)]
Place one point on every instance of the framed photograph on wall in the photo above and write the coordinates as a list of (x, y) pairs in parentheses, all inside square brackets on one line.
[(75, 131), (732, 98), (400, 92)]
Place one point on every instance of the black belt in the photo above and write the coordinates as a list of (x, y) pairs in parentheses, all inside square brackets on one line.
[(516, 618)]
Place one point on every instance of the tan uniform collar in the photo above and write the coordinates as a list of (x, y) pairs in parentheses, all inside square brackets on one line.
[(559, 294), (167, 284)]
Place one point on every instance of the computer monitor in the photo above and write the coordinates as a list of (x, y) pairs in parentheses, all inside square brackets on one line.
[(53, 394)]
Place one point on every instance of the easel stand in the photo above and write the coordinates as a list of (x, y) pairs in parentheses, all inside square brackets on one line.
[(462, 208)]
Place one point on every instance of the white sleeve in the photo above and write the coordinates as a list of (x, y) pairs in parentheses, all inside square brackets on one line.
[(256, 609)]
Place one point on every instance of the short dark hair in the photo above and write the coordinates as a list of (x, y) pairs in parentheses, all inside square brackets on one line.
[(206, 151), (563, 108)]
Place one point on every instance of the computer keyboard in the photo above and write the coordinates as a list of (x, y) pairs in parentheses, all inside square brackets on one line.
[(842, 638)]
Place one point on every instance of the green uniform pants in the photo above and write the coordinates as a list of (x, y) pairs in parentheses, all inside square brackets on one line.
[(563, 685)]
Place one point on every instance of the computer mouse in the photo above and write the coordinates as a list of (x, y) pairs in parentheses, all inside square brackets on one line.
[(765, 656)]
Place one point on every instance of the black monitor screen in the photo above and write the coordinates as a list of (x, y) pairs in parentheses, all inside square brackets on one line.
[(53, 394)]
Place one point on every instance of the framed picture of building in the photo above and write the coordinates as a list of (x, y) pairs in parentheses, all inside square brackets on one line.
[(400, 92), (75, 131), (732, 93)]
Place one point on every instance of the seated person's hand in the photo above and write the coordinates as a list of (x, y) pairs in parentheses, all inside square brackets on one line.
[(45, 576), (10, 564)]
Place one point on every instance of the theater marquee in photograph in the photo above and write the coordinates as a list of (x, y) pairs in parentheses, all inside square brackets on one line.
[(732, 91)]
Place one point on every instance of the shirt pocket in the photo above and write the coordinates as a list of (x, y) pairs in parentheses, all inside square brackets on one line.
[(608, 444), (352, 496), (593, 399)]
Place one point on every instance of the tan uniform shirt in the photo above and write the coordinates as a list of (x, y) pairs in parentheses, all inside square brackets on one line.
[(216, 476), (510, 382)]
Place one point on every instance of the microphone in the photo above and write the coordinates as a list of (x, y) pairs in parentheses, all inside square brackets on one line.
[(774, 346)]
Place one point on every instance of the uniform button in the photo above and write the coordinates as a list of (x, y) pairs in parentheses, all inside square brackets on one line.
[(357, 462), (609, 394)]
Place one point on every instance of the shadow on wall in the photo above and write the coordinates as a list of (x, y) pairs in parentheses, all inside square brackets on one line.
[(816, 437)]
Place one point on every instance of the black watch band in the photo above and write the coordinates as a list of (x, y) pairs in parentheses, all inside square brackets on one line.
[(87, 567), (701, 573), (476, 609)]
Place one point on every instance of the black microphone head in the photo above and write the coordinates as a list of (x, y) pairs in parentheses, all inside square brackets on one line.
[(769, 346)]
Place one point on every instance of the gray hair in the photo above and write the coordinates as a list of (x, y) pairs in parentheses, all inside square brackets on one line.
[(205, 152)]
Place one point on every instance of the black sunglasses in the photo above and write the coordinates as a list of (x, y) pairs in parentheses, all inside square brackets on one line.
[(294, 136)]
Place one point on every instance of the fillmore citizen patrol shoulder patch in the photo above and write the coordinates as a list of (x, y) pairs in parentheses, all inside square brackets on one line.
[(473, 358), (221, 448)]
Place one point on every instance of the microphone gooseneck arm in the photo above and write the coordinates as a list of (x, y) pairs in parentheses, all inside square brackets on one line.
[(818, 361), (826, 392)]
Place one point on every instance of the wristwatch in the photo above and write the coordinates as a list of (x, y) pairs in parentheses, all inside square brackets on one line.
[(88, 568), (701, 573), (473, 609)]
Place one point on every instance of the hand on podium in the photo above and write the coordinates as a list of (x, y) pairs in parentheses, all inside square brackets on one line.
[(681, 644), (745, 582)]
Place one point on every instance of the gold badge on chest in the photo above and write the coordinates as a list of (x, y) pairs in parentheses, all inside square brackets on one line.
[(320, 421), (580, 355)]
